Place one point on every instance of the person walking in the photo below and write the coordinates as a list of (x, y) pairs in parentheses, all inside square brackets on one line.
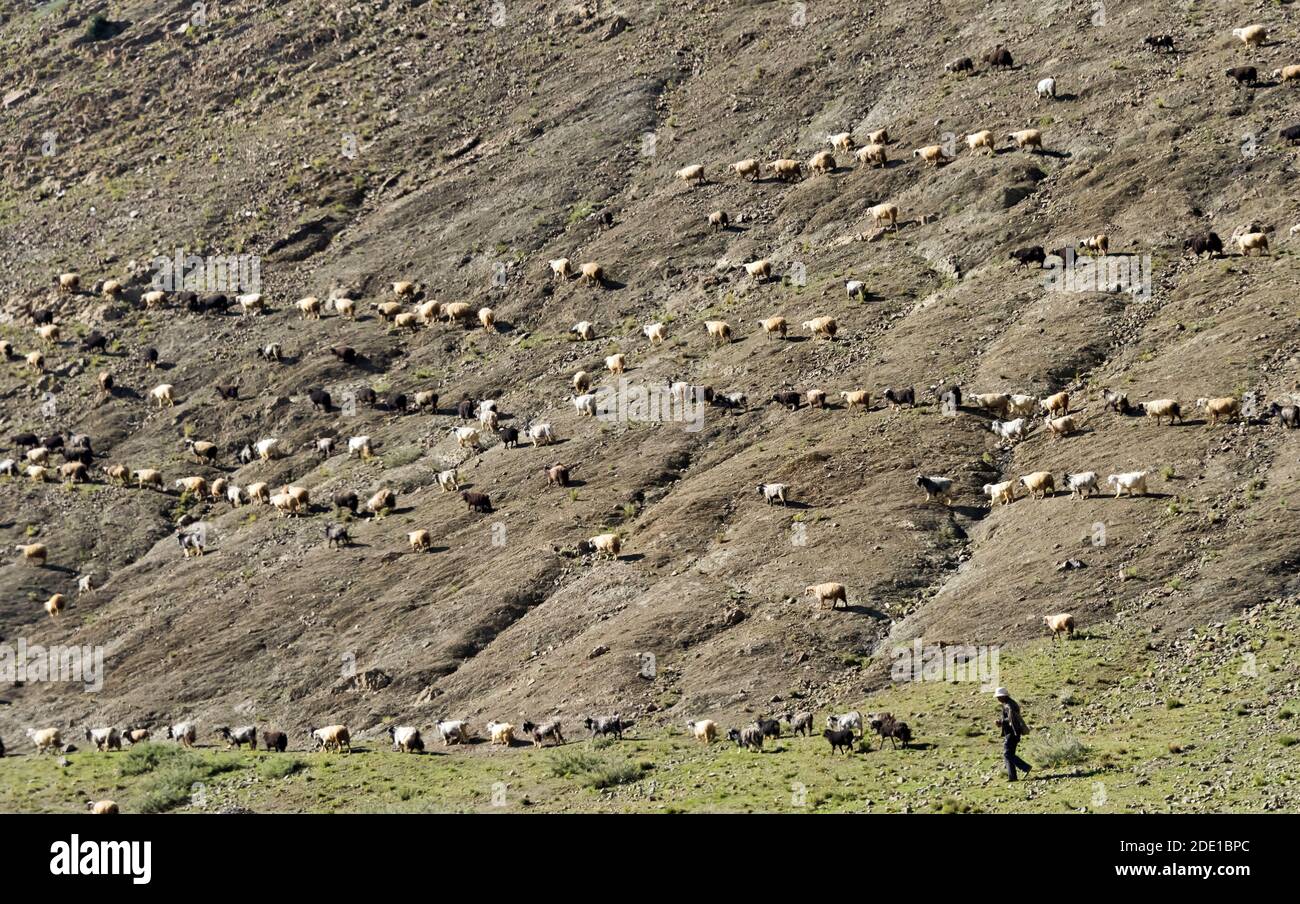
[(1013, 728)]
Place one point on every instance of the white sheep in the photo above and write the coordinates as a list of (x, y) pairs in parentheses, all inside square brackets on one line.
[(885, 213), (1027, 139), (336, 737), (1226, 408), (746, 168), (654, 332), (1046, 89), (1252, 241), (759, 270), (606, 545), (616, 364), (1133, 483), (453, 731), (855, 289), (585, 330), (822, 162), (185, 733), (561, 268), (842, 141), (692, 174), (822, 326), (251, 303), (981, 139), (466, 437), (774, 326), (164, 394), (829, 592), (1009, 430), (873, 154), (719, 331), (406, 738), (933, 154), (46, 739), (1061, 426), (360, 446), (1251, 35), (773, 492), (585, 404), (1060, 624), (1003, 493), (1082, 485), (704, 730), (1040, 484)]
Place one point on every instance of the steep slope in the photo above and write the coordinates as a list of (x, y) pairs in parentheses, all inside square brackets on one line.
[(348, 147)]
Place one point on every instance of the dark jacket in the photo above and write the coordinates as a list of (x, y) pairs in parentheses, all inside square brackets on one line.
[(1011, 723)]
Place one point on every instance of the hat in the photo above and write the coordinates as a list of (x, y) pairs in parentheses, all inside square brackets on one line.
[(1002, 692)]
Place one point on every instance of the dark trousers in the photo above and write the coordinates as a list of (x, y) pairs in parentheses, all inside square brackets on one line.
[(1013, 762)]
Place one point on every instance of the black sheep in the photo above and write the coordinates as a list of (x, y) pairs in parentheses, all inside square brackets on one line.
[(1204, 243), (1031, 255), (896, 397), (346, 500), (840, 739), (477, 502), (999, 58), (1243, 75), (275, 740), (792, 400), (320, 399), (509, 437), (337, 534), (1159, 42), (465, 409)]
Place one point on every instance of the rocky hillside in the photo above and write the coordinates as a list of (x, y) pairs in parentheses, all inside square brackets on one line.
[(345, 146)]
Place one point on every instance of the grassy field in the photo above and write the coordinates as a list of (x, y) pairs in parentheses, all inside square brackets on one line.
[(1201, 724)]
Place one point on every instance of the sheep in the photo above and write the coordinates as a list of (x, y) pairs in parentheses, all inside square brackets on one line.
[(36, 362), (981, 139), (48, 334), (1161, 408), (148, 476), (429, 311), (150, 357), (885, 725), (217, 489), (85, 584), (879, 136), (557, 475), (192, 543), (1243, 75), (45, 739), (816, 398), (1098, 244), (897, 397), (345, 499), (750, 736), (359, 446), (194, 486), (1134, 483), (477, 502), (998, 58), (38, 473), (1027, 139), (1291, 134), (546, 730), (335, 737), (933, 154), (962, 64), (1003, 493), (841, 141), (406, 289), (8, 468), (453, 312), (1061, 426), (1115, 401), (855, 289), (1060, 624), (38, 456), (851, 721), (405, 321), (541, 435), (840, 740), (885, 213), (119, 474), (336, 535), (184, 733), (822, 326), (1158, 43), (102, 807), (275, 740), (251, 303), (604, 726), (692, 174), (135, 736), (1009, 430), (585, 404), (800, 723), (872, 155), (237, 737), (509, 437), (774, 326), (561, 268), (746, 168), (1204, 243), (1252, 241), (259, 493), (1033, 254), (285, 504), (858, 398), (584, 330), (502, 733), (447, 481), (1039, 482), (773, 492), (489, 419), (1046, 89), (606, 545), (787, 170), (1227, 408), (759, 270), (654, 332), (420, 540), (792, 400), (1287, 415), (936, 488), (703, 730), (1251, 35), (822, 162), (616, 364), (1287, 74), (830, 591), (6, 349), (719, 331), (406, 738), (1081, 485), (466, 437), (308, 308), (56, 604), (164, 394), (593, 274), (384, 500), (1058, 403), (345, 307), (387, 310)]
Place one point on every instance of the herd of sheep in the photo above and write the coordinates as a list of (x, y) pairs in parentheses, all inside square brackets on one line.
[(1013, 417)]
